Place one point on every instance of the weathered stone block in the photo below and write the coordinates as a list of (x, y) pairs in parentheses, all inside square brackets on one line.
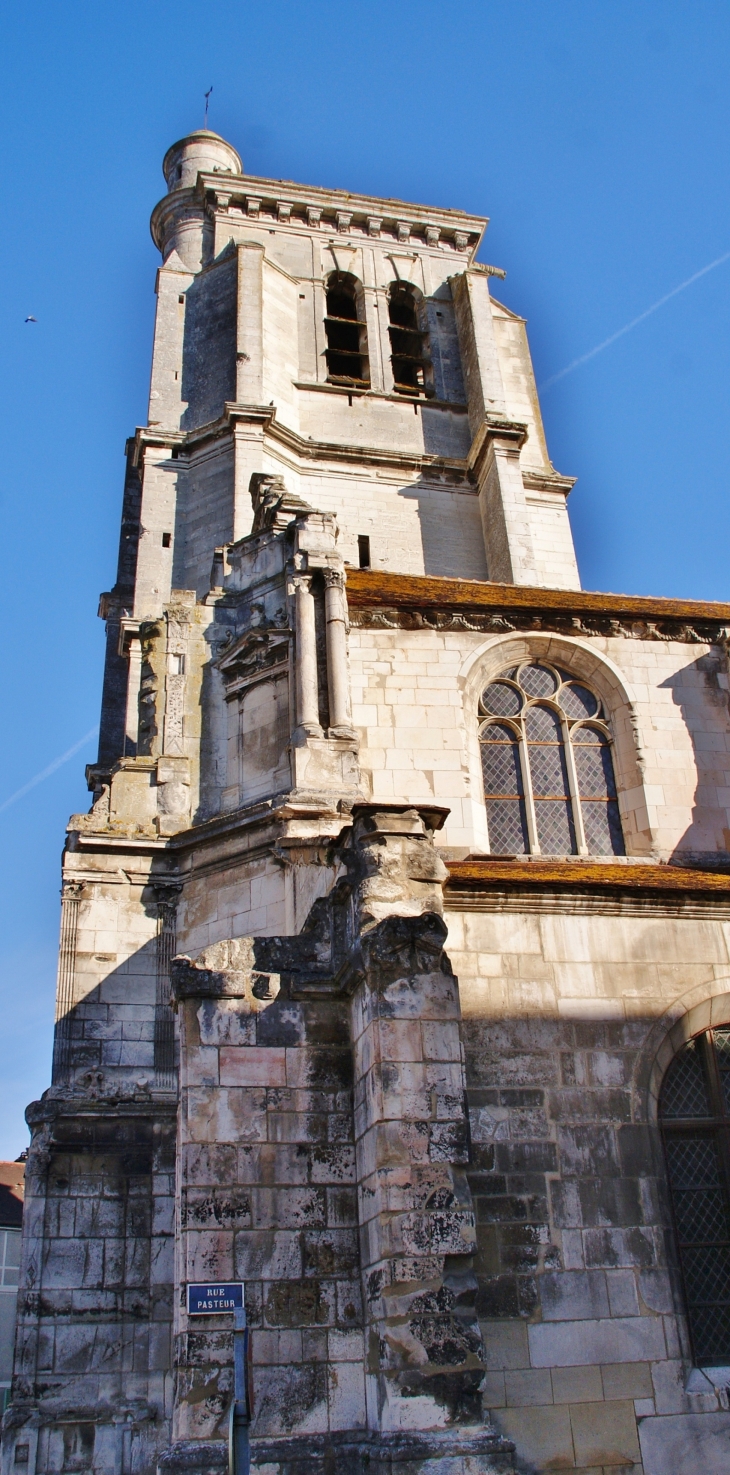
[(684, 1444), (604, 1433), (542, 1435), (625, 1339), (573, 1295)]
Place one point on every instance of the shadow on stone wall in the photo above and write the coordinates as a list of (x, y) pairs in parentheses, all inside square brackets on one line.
[(693, 687)]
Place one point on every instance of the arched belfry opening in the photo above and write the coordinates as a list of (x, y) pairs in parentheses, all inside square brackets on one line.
[(410, 358), (346, 331)]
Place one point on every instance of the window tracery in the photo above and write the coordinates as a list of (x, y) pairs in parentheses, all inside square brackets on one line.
[(694, 1114), (548, 774)]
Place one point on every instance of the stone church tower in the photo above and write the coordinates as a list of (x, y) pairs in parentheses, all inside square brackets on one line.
[(395, 950)]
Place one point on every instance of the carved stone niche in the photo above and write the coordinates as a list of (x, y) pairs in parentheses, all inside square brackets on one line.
[(256, 652)]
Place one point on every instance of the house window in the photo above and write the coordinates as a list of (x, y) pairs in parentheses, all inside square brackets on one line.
[(346, 332), (408, 342), (694, 1113), (548, 770)]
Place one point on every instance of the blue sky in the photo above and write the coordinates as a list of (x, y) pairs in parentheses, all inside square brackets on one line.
[(595, 136)]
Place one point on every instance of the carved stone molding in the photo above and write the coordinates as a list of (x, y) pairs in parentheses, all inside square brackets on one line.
[(497, 622)]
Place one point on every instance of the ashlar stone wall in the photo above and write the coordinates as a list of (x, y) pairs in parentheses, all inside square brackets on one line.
[(415, 696), (564, 1008)]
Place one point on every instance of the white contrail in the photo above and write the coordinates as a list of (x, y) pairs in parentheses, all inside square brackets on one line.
[(634, 321), (46, 772)]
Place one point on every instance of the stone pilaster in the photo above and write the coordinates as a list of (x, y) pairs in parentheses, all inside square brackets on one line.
[(494, 462), (66, 985), (249, 324), (338, 683), (164, 1045), (306, 658)]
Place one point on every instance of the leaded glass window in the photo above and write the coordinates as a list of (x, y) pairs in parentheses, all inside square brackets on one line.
[(694, 1111), (548, 773)]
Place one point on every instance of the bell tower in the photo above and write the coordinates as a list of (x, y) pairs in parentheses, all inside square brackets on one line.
[(258, 1075)]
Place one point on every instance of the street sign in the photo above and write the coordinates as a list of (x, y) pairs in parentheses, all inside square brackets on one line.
[(212, 1300)]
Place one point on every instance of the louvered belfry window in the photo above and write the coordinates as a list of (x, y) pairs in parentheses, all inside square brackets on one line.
[(548, 773), (408, 342), (694, 1112), (346, 333)]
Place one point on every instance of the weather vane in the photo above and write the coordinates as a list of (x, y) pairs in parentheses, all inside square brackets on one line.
[(207, 95)]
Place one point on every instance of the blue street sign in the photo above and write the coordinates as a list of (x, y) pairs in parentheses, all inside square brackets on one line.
[(209, 1300)]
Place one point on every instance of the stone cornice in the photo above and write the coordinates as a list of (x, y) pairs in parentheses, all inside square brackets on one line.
[(412, 602), (305, 450), (153, 437), (590, 888), (511, 433), (547, 481), (339, 212)]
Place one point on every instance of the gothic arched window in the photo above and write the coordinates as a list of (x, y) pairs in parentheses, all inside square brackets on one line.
[(694, 1112), (408, 342), (346, 332), (546, 760)]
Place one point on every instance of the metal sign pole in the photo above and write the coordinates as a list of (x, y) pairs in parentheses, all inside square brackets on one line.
[(239, 1449)]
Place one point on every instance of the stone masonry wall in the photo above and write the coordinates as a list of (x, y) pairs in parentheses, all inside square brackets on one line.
[(578, 1296), (268, 1196), (415, 696)]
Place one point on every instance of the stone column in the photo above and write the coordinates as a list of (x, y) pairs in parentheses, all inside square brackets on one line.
[(164, 1046), (66, 986), (306, 658), (131, 731), (336, 622)]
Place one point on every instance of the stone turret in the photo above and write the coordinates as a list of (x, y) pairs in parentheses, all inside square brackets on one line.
[(180, 222)]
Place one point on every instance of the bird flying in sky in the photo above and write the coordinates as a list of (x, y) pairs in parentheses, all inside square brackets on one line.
[(31, 319)]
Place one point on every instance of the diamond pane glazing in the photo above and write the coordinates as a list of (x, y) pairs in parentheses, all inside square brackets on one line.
[(543, 725), (503, 791), (693, 1162), (710, 1333), (578, 701), (707, 1273), (507, 827), (701, 1215), (593, 764), (722, 1047), (537, 681), (501, 761), (549, 775), (684, 1093), (555, 831), (602, 827), (501, 700)]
